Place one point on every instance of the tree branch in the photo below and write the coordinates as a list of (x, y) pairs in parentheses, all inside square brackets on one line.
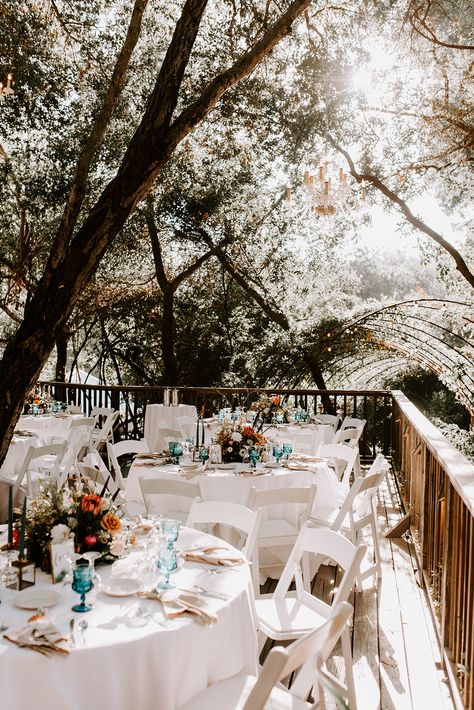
[(79, 182), (461, 265)]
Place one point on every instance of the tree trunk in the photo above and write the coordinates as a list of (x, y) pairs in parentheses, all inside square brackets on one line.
[(318, 377), (170, 366), (61, 355)]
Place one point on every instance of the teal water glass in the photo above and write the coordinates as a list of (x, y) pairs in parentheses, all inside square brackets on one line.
[(83, 582), (254, 455), (278, 452), (287, 449), (166, 564), (203, 454), (170, 530)]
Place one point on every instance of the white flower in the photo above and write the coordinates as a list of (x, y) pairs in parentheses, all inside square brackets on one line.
[(242, 453), (60, 533), (250, 442), (237, 436), (230, 449)]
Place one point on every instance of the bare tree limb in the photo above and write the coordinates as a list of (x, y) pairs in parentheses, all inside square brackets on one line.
[(461, 265)]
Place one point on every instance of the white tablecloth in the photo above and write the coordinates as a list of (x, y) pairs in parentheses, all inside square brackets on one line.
[(47, 426), (231, 486), (158, 417), (125, 666)]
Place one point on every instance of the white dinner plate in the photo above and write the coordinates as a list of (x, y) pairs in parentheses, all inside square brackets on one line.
[(226, 466), (122, 587), (272, 464), (36, 598)]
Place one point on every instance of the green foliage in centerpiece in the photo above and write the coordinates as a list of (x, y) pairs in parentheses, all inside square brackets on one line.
[(76, 511)]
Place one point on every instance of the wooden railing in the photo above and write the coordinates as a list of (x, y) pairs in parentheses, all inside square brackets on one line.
[(373, 405), (437, 484)]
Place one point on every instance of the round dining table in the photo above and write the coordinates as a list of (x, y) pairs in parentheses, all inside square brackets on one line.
[(131, 655)]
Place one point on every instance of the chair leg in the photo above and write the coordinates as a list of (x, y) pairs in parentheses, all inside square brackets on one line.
[(347, 653)]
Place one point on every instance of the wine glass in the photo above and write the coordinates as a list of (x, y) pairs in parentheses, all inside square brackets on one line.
[(166, 564), (83, 582), (277, 452), (287, 449)]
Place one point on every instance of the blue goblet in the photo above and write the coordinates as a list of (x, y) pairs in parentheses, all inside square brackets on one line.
[(167, 563), (287, 449), (170, 530), (254, 455), (83, 582), (203, 454), (278, 452), (64, 407)]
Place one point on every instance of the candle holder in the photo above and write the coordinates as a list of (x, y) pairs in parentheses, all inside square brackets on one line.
[(24, 575)]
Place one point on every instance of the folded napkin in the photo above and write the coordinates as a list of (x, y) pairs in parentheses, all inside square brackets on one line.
[(213, 556), (306, 458), (151, 464), (176, 602), (40, 635), (150, 455), (257, 471)]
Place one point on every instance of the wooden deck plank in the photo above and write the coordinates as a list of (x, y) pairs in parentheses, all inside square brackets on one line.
[(394, 683)]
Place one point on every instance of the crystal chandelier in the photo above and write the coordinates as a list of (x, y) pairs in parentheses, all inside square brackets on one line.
[(328, 191), (6, 90)]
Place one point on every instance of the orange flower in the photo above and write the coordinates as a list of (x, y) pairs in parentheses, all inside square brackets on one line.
[(91, 504), (111, 523)]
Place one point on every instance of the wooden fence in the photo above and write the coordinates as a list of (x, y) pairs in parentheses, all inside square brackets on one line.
[(437, 484)]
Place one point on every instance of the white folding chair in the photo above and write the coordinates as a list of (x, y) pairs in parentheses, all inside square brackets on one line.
[(102, 435), (289, 615), (100, 414), (235, 516), (307, 655), (349, 437), (168, 435), (187, 427), (275, 531), (167, 497), (353, 423), (345, 459), (74, 409), (358, 511), (332, 419), (47, 458), (99, 477), (123, 448)]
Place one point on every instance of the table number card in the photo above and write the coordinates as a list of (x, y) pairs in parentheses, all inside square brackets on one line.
[(61, 555)]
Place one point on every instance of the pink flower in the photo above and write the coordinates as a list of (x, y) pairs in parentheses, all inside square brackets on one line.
[(90, 540)]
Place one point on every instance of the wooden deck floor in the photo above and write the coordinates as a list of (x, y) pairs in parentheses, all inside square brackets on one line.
[(397, 664)]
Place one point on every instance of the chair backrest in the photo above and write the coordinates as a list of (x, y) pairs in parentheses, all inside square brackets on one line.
[(122, 448), (353, 422), (341, 452), (101, 412), (187, 426), (297, 495), (99, 476), (332, 419), (322, 543), (164, 488), (350, 437), (227, 513), (74, 409), (168, 435), (103, 434), (360, 496), (37, 452), (305, 654)]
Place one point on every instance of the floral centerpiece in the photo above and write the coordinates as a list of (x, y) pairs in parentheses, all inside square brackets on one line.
[(270, 406), (42, 400), (79, 512), (233, 437)]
